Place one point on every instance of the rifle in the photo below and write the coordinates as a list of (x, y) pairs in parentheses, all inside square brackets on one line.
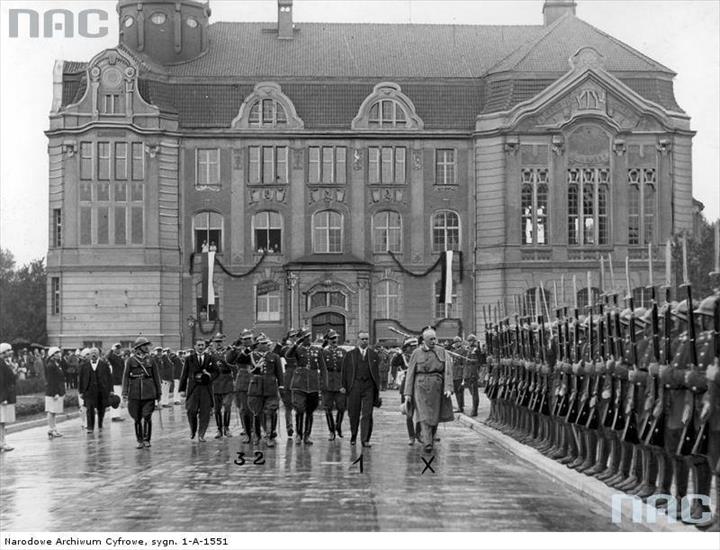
[(646, 421)]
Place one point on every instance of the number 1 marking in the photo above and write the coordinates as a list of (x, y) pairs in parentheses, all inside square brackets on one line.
[(360, 460)]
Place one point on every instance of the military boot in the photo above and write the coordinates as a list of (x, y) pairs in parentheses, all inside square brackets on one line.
[(226, 424), (219, 422), (701, 486), (591, 442), (147, 431), (299, 427), (308, 429), (139, 435), (613, 459), (622, 467), (601, 458), (289, 422), (649, 473), (634, 477), (664, 479), (338, 423), (331, 424)]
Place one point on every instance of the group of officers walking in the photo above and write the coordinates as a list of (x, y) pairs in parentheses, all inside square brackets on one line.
[(628, 395)]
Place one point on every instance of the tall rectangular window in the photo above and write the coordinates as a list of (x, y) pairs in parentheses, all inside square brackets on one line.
[(136, 225), (445, 167), (103, 155), (534, 204), (120, 225), (55, 295), (121, 164), (138, 161), (57, 227), (86, 160), (268, 165), (85, 225), (112, 104), (386, 165), (588, 196), (208, 167), (327, 165), (267, 302), (641, 207)]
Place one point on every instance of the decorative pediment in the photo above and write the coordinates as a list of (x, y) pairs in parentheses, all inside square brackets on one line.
[(267, 107), (587, 91), (387, 108), (326, 194)]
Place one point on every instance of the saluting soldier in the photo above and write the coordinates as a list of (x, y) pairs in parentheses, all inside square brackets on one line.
[(305, 384), (289, 365), (141, 389), (222, 387), (239, 356), (196, 387), (331, 382), (266, 377)]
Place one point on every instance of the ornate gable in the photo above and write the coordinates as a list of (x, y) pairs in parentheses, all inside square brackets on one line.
[(387, 108), (267, 107)]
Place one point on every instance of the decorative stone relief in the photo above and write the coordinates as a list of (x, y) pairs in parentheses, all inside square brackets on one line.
[(326, 194), (152, 149), (271, 194), (387, 195), (417, 159), (357, 159), (238, 158)]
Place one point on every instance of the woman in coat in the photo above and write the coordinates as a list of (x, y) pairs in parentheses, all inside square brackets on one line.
[(7, 394), (54, 390)]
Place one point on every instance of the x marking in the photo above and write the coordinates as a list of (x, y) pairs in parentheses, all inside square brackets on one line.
[(427, 464)]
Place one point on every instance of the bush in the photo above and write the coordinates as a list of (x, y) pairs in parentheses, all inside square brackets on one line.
[(29, 386)]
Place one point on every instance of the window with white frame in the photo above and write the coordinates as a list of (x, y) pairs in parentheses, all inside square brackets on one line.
[(112, 213), (325, 298), (445, 231), (534, 205), (86, 160), (445, 168), (534, 299), (121, 160), (588, 206), (449, 311), (386, 299), (387, 165), (267, 113), (642, 208), (267, 302), (55, 295), (268, 231), (327, 165), (327, 232), (207, 173), (203, 310), (387, 231), (57, 227), (208, 227), (268, 164), (103, 150), (386, 113)]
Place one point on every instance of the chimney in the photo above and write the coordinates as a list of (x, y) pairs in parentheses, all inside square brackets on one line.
[(555, 9), (285, 19)]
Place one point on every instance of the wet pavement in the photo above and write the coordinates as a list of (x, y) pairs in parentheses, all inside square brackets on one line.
[(100, 482)]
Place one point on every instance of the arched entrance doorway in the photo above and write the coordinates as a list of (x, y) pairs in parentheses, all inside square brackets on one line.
[(323, 322)]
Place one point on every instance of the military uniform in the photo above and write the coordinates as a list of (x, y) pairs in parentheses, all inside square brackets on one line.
[(305, 385), (223, 392), (240, 358), (141, 387), (266, 377), (331, 381), (285, 391), (471, 373)]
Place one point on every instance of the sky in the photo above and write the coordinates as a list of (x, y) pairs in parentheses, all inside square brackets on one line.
[(683, 35)]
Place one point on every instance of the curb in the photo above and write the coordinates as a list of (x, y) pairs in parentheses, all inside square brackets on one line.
[(585, 485), (21, 426)]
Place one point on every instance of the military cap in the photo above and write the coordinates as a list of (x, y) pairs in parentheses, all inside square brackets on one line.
[(5, 347), (708, 305), (140, 341), (410, 342), (457, 340), (157, 348), (331, 334), (261, 339), (303, 333), (471, 338), (53, 350), (680, 310), (219, 337), (116, 345), (166, 350), (246, 334)]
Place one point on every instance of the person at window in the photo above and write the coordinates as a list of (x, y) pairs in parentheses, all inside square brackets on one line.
[(213, 246), (204, 247), (428, 387), (400, 363), (266, 377), (117, 365), (305, 384), (95, 388), (361, 383), (7, 394), (141, 389), (196, 386), (54, 390), (332, 398)]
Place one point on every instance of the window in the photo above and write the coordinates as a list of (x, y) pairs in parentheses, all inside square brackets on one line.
[(268, 165), (445, 231), (387, 231), (327, 232), (327, 299), (445, 167), (642, 296), (108, 210), (386, 113), (112, 104), (588, 196), (55, 295), (267, 302), (530, 301), (208, 231), (641, 205), (453, 310), (386, 164), (267, 113), (207, 312), (582, 298), (534, 204), (57, 227), (268, 232), (138, 161), (158, 18), (208, 167), (121, 165), (386, 300), (86, 160), (103, 160), (327, 165)]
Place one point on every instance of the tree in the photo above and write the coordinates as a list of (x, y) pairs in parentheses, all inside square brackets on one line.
[(22, 300), (700, 261)]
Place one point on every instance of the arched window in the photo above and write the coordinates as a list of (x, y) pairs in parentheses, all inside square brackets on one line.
[(582, 298), (267, 302), (641, 205), (267, 113), (327, 232), (534, 205), (267, 229), (453, 310), (387, 231), (208, 229), (386, 300), (530, 301), (386, 113), (445, 231)]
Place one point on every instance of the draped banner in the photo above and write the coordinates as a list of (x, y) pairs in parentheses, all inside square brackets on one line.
[(446, 281), (208, 269)]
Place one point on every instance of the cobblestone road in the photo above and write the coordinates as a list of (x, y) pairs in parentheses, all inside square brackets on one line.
[(102, 483)]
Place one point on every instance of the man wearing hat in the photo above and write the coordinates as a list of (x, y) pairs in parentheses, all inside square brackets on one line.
[(196, 386), (400, 363), (331, 383), (458, 368), (117, 366), (290, 363), (305, 384), (95, 387), (7, 394), (239, 357), (266, 377), (223, 389), (141, 389), (471, 372)]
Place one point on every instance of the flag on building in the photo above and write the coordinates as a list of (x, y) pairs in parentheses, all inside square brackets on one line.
[(208, 266)]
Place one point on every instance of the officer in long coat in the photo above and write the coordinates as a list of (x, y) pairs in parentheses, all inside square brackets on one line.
[(141, 389), (305, 384), (471, 372), (331, 381), (95, 387), (266, 377), (196, 386)]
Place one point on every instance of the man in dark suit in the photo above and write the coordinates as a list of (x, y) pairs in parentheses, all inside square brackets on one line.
[(196, 385), (360, 382), (117, 367), (95, 387)]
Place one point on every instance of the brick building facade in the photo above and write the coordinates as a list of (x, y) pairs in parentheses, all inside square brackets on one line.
[(304, 152)]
